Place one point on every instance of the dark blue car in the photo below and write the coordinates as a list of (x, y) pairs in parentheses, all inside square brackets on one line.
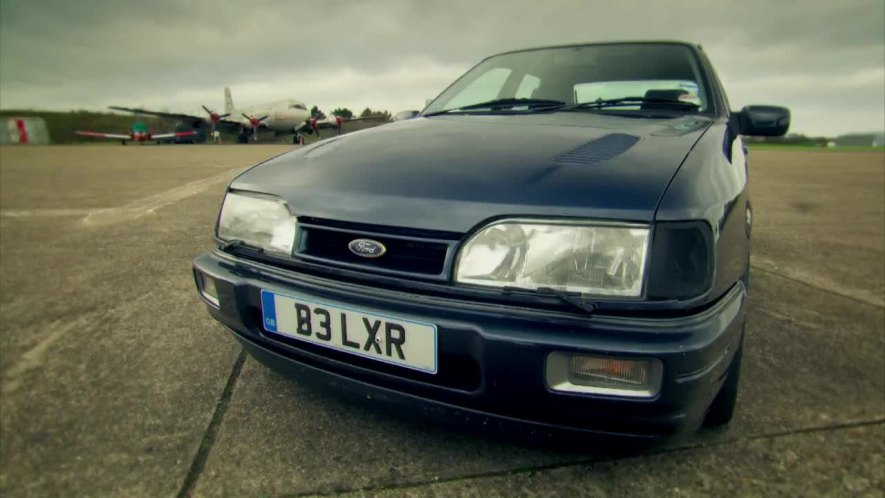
[(560, 240)]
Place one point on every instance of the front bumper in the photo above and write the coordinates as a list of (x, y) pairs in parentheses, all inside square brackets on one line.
[(492, 357)]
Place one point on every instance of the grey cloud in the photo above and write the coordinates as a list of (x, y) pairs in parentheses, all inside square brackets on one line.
[(89, 54)]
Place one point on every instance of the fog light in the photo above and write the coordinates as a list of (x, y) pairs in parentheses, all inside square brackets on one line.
[(582, 373), (207, 288)]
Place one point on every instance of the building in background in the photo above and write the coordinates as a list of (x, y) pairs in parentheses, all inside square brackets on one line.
[(861, 140), (24, 131)]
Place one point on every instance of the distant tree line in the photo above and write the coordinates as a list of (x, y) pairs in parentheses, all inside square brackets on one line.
[(316, 113), (346, 113), (791, 139), (63, 125), (369, 113), (343, 112)]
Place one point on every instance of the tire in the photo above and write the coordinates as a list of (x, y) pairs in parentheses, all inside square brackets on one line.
[(721, 410)]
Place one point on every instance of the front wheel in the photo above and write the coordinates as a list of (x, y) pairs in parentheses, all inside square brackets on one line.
[(722, 409)]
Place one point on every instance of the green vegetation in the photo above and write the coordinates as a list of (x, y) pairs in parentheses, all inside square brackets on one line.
[(343, 112), (315, 112), (64, 125), (369, 113), (850, 141), (806, 147)]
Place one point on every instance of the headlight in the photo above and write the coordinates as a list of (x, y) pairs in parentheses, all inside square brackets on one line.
[(598, 260), (258, 220)]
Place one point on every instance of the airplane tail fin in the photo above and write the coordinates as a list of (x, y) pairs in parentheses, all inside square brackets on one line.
[(228, 101)]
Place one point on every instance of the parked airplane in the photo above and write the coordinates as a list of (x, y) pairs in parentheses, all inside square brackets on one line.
[(281, 117), (138, 133)]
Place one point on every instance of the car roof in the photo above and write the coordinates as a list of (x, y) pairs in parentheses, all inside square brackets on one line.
[(590, 44)]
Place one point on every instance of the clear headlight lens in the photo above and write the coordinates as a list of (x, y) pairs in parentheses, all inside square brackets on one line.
[(597, 260), (258, 220)]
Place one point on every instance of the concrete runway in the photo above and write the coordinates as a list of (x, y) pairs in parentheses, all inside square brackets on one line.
[(115, 381)]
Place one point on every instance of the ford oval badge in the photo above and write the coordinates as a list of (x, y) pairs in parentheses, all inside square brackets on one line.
[(367, 248)]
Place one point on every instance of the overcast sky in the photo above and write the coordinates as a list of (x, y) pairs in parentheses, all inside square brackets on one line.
[(823, 59)]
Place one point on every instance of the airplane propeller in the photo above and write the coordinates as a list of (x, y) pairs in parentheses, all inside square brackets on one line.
[(313, 124), (214, 117), (254, 123)]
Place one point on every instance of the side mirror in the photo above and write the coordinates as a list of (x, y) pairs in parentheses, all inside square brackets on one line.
[(403, 115), (764, 120)]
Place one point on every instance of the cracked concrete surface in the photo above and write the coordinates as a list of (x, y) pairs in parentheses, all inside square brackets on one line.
[(115, 382)]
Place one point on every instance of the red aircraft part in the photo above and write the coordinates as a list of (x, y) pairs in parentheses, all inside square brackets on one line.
[(22, 131)]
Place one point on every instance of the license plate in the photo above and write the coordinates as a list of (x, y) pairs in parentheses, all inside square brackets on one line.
[(384, 338)]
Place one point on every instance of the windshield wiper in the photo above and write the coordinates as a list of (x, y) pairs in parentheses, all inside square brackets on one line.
[(572, 299), (627, 101), (498, 104), (234, 243)]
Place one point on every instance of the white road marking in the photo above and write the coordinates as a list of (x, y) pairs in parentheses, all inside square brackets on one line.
[(25, 213), (817, 280), (149, 204), (132, 210), (33, 358)]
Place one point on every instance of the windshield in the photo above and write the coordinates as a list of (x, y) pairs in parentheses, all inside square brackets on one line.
[(582, 74)]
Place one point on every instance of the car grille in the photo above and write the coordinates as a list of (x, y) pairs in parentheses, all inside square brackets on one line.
[(409, 252)]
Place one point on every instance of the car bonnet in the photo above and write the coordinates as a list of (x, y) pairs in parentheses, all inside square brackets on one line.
[(452, 173)]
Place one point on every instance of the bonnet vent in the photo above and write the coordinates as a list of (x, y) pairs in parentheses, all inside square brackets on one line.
[(599, 150)]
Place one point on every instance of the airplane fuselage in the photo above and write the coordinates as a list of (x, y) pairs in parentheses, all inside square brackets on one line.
[(282, 116)]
